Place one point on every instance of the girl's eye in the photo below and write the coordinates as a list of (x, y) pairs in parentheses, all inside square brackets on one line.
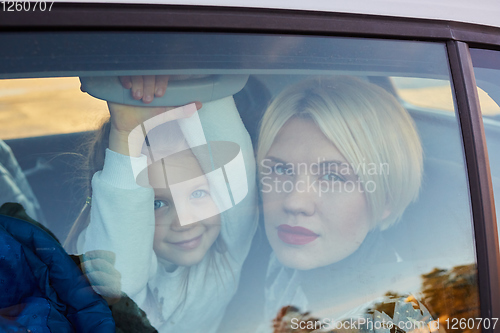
[(160, 204), (198, 194), (332, 177)]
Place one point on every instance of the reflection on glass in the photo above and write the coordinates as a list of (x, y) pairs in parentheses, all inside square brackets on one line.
[(452, 294)]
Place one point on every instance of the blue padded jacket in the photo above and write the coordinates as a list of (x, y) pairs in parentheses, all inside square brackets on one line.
[(41, 288)]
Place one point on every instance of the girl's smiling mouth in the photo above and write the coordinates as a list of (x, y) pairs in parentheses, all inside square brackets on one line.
[(296, 235), (189, 244)]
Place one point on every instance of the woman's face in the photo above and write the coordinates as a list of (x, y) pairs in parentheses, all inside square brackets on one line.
[(179, 243), (315, 210)]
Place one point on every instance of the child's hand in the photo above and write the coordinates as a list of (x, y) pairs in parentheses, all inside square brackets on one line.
[(98, 267), (145, 87), (125, 118)]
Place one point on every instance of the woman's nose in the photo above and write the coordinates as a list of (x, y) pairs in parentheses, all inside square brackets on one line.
[(301, 199)]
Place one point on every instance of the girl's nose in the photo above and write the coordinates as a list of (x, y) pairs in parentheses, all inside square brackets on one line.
[(301, 199), (182, 216)]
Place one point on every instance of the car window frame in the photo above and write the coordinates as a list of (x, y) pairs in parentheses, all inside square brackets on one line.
[(457, 36)]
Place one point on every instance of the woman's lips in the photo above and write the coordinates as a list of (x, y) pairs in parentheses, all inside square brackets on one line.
[(296, 235), (189, 244)]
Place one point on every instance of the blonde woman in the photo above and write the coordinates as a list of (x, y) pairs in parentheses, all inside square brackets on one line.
[(339, 160)]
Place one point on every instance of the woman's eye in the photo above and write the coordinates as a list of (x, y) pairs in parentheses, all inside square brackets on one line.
[(198, 194), (160, 204), (279, 170), (332, 177)]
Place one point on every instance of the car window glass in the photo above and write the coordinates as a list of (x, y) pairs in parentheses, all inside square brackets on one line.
[(29, 107), (487, 72), (437, 94), (322, 179)]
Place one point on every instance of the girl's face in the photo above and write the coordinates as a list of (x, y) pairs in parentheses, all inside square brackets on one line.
[(315, 210), (183, 245)]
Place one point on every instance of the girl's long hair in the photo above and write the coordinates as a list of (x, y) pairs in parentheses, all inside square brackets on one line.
[(94, 150)]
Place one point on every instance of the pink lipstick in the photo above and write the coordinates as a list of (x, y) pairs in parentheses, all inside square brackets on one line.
[(296, 235)]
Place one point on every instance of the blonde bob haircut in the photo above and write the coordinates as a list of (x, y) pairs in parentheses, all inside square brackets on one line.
[(368, 126)]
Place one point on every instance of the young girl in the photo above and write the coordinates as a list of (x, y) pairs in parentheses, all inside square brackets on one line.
[(178, 250)]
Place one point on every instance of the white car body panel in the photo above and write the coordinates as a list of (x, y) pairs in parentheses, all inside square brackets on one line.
[(484, 12)]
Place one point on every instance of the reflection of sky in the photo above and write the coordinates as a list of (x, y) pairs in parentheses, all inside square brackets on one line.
[(414, 83), (436, 231), (362, 284), (349, 289)]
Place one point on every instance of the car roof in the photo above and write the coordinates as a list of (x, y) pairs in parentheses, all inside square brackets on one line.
[(484, 12)]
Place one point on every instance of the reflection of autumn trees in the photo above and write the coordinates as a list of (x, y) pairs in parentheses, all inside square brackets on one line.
[(447, 294), (452, 293), (283, 321)]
